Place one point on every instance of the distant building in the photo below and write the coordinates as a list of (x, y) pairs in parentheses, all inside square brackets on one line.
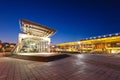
[(8, 47), (5, 44), (100, 44)]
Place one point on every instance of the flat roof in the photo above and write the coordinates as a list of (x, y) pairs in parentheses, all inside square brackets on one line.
[(105, 38)]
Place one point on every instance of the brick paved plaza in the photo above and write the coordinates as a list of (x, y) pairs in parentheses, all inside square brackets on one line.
[(76, 67)]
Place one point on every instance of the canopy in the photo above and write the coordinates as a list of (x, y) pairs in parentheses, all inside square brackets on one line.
[(35, 29)]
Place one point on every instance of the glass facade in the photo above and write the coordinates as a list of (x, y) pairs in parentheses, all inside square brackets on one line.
[(35, 38), (32, 45), (109, 44)]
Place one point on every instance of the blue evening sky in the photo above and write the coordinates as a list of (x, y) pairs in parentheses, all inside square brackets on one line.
[(73, 19)]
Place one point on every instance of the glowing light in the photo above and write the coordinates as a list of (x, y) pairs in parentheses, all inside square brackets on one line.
[(80, 56), (115, 51), (53, 46), (79, 42), (0, 46), (37, 54)]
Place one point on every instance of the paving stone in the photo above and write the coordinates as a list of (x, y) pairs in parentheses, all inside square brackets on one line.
[(76, 67)]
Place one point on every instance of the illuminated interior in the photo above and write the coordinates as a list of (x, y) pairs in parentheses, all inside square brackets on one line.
[(105, 44), (35, 38)]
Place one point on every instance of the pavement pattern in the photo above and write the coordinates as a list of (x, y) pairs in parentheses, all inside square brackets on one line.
[(76, 67)]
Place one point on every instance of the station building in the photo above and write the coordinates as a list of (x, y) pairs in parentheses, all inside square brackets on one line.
[(100, 44), (34, 38)]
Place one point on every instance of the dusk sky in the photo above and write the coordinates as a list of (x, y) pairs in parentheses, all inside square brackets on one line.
[(73, 19)]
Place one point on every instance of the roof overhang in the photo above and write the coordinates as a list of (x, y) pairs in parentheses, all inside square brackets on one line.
[(35, 29)]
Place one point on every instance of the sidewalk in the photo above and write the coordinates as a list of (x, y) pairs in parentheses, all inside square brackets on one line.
[(76, 67), (4, 54)]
